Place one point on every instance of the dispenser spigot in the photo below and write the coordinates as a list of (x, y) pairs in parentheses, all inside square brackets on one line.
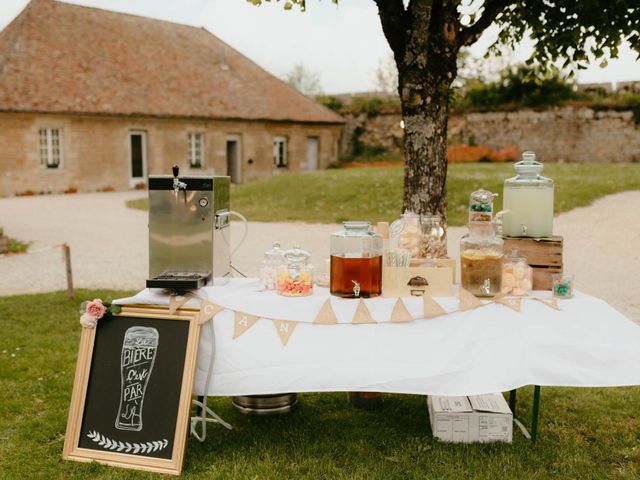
[(177, 184)]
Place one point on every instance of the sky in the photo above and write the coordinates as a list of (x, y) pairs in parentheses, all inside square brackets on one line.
[(343, 43)]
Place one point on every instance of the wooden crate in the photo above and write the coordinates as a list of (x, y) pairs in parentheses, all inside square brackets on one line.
[(543, 254)]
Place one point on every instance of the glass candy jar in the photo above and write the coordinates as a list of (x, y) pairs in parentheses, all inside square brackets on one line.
[(356, 261), (295, 275), (528, 201), (407, 231), (481, 253), (481, 206), (517, 275), (433, 241), (273, 258)]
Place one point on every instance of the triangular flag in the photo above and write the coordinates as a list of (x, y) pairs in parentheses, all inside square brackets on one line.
[(468, 300), (512, 303), (175, 302), (284, 328), (362, 314), (549, 302), (208, 310), (400, 313), (326, 315), (242, 323), (432, 308)]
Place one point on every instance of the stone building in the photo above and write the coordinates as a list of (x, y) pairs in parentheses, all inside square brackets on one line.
[(93, 100)]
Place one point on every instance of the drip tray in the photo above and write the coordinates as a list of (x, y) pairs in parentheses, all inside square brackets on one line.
[(179, 280)]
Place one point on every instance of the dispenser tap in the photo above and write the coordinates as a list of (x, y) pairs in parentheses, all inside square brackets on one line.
[(178, 185)]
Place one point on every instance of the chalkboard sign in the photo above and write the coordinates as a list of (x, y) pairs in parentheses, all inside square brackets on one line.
[(132, 390)]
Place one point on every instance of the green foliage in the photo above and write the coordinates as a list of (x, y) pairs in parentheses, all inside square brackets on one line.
[(375, 194), (11, 245), (619, 102), (330, 101), (584, 432), (518, 87)]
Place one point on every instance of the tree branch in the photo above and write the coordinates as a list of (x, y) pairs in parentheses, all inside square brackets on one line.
[(392, 14), (492, 8)]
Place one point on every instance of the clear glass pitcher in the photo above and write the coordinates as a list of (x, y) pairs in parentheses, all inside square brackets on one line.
[(528, 201), (481, 254), (356, 261)]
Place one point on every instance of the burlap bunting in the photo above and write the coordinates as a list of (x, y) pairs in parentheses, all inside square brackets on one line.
[(284, 328), (400, 313), (242, 323), (431, 308), (468, 301), (175, 302), (208, 310), (549, 302), (512, 303), (326, 315), (362, 314)]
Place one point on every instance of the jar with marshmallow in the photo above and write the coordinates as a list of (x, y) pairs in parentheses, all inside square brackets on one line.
[(517, 275)]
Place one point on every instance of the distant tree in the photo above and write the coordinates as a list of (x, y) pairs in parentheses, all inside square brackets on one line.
[(426, 37), (385, 76), (304, 80)]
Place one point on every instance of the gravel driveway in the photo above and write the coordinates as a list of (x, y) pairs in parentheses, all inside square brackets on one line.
[(109, 244)]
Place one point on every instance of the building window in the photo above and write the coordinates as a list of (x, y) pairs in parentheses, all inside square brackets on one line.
[(50, 147), (280, 152), (194, 150)]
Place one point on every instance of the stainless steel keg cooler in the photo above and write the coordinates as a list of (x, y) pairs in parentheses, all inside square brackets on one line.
[(188, 231)]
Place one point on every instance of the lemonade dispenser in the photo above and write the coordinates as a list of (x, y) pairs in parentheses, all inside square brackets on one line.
[(528, 201)]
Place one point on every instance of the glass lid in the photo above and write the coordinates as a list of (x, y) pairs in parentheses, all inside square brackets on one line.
[(296, 256), (528, 166)]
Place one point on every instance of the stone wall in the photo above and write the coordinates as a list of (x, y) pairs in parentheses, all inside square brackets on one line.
[(570, 134), (96, 149)]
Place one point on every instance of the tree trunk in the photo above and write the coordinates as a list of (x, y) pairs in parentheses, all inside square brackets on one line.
[(424, 42)]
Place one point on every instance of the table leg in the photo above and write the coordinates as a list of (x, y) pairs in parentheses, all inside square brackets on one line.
[(536, 411), (512, 401)]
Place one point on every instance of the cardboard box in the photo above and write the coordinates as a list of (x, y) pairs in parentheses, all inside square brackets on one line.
[(477, 418)]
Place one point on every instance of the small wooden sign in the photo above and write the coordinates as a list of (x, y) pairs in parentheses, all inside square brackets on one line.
[(132, 390)]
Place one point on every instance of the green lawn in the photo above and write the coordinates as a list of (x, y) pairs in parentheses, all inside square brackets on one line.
[(375, 194), (584, 433)]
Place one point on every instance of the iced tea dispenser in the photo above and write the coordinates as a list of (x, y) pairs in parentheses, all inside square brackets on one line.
[(356, 261)]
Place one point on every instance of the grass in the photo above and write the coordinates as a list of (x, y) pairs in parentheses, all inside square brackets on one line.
[(584, 433), (11, 245), (375, 194)]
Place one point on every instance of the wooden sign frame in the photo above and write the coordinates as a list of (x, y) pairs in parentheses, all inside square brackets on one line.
[(104, 451)]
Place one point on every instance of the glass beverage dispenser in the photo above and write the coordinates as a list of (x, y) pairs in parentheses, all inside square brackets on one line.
[(481, 254), (528, 201), (356, 261)]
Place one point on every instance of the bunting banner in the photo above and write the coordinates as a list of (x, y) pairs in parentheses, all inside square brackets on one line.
[(326, 315), (242, 323), (285, 328), (511, 302), (431, 308), (468, 300), (208, 310), (549, 302), (363, 315), (175, 302), (400, 313)]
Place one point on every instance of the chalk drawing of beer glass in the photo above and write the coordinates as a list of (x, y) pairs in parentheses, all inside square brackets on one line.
[(136, 363)]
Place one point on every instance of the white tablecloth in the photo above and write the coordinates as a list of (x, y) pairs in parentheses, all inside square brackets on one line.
[(490, 349)]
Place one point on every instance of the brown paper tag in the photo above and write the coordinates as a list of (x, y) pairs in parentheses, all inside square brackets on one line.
[(468, 300), (208, 310), (400, 313), (362, 314), (549, 302), (432, 308), (284, 328), (512, 303), (326, 315), (175, 302), (242, 323)]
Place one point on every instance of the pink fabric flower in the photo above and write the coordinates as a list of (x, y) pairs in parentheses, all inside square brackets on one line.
[(88, 321), (96, 309)]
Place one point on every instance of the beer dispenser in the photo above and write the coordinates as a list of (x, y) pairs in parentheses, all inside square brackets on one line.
[(188, 231)]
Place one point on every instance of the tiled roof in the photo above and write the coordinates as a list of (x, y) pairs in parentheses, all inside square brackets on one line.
[(58, 57)]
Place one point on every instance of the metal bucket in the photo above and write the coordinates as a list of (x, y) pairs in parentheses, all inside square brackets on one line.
[(265, 404)]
